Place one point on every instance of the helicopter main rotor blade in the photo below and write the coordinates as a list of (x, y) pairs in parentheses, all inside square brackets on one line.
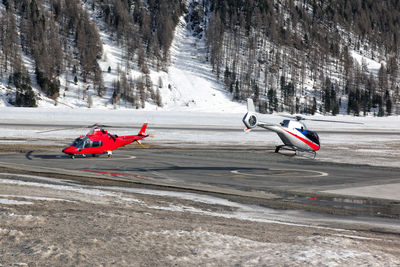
[(348, 122), (56, 130), (99, 125), (300, 118), (78, 127)]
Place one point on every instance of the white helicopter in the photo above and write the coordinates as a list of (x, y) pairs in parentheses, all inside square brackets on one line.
[(293, 133)]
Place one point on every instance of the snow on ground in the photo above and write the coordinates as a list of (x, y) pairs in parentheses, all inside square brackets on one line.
[(228, 119), (193, 84), (14, 202), (372, 65), (192, 98), (151, 227), (189, 84)]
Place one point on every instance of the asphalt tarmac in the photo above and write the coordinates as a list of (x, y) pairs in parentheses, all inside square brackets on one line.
[(256, 174)]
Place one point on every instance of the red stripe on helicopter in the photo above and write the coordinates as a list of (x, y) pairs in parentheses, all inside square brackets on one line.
[(309, 143)]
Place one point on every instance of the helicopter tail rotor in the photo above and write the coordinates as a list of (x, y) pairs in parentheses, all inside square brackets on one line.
[(250, 119)]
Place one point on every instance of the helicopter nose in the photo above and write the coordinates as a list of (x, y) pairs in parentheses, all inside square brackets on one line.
[(69, 150)]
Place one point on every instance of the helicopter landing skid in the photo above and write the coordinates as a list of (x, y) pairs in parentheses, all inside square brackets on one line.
[(296, 151), (285, 148), (74, 155)]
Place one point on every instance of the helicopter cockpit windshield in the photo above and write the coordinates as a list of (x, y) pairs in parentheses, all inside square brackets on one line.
[(82, 142), (313, 136)]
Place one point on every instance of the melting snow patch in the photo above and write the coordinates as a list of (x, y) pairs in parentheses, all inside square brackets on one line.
[(14, 202), (37, 198), (208, 248), (76, 189), (181, 195), (35, 177), (313, 256), (79, 189)]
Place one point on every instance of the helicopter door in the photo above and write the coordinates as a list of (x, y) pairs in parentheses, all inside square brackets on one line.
[(88, 143)]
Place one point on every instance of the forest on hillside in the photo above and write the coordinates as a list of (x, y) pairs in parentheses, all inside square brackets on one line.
[(288, 55), (61, 38), (272, 51)]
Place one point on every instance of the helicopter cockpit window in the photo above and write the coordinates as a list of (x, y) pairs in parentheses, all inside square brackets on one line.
[(76, 142), (97, 143), (285, 123), (84, 142), (313, 136)]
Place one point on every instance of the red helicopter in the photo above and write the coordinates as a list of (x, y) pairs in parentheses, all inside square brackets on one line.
[(100, 141)]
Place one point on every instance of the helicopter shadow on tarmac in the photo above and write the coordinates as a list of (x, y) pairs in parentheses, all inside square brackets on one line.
[(32, 155), (285, 153)]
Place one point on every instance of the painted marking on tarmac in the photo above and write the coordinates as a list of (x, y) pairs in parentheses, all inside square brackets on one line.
[(98, 158), (283, 172), (115, 174)]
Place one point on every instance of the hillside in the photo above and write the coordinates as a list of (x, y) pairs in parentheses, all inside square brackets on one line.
[(307, 56)]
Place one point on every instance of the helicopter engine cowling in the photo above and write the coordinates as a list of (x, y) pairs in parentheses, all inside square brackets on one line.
[(250, 120)]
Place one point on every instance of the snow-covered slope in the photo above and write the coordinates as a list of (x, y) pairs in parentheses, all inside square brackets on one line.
[(188, 85), (193, 84), (188, 82)]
